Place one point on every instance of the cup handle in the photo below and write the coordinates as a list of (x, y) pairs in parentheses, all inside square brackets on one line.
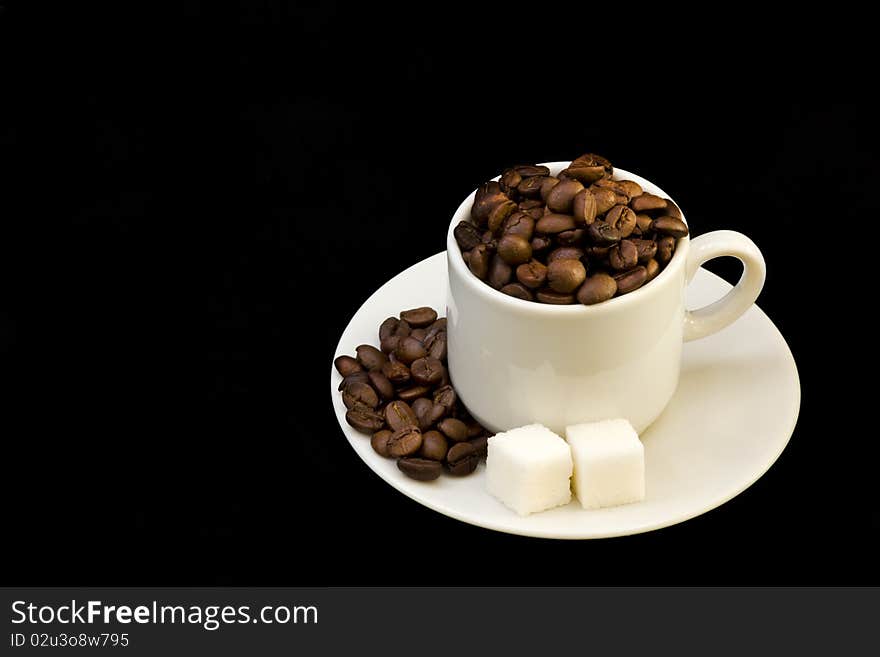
[(714, 317)]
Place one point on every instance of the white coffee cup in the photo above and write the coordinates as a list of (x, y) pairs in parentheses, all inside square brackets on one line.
[(516, 362)]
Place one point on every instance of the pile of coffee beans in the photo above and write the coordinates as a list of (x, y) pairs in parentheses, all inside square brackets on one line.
[(579, 236), (400, 394)]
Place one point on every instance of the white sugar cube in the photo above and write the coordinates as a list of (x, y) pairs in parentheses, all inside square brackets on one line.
[(609, 463), (528, 469)]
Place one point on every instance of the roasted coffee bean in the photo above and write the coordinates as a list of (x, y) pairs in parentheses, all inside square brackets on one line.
[(411, 394), (553, 297), (623, 255), (631, 280), (565, 275), (519, 223), (500, 272), (621, 218), (652, 267), (605, 199), (478, 261), (388, 327), (615, 186), (597, 288), (665, 249), (355, 377), (551, 224), (389, 344), (445, 396), (409, 350), (530, 204), (643, 223), (488, 238), (381, 384), (423, 408), (480, 445), (571, 237), (419, 317), (509, 180), (436, 346), (488, 196), (404, 441), (586, 175), (462, 459), (603, 234), (427, 371), (364, 419), (584, 207), (530, 187), (647, 202), (530, 170), (670, 226), (370, 357), (561, 198), (565, 253), (597, 253), (630, 187), (419, 334), (346, 365), (379, 442), (517, 290), (671, 210), (593, 160), (399, 414), (535, 213), (435, 328), (397, 372), (403, 329), (532, 274), (514, 249), (420, 469), (647, 249), (541, 243), (434, 446), (360, 394), (454, 429), (499, 213), (467, 235), (548, 183)]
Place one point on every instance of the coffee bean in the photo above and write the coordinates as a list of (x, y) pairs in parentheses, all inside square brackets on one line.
[(355, 377), (389, 344), (478, 261), (630, 187), (672, 210), (535, 213), (488, 238), (530, 204), (565, 253), (499, 213), (453, 429), (652, 267), (381, 384), (500, 272), (408, 350), (623, 255), (548, 183), (532, 274), (571, 237), (514, 249), (603, 234), (647, 202), (346, 365), (411, 394), (621, 218), (530, 170), (427, 371), (435, 328), (584, 174), (360, 394), (379, 442), (551, 224), (517, 290), (530, 187), (631, 280), (364, 419), (670, 226), (647, 249), (434, 446), (643, 222), (370, 357), (445, 396), (420, 469), (509, 180), (423, 408), (419, 317), (593, 160), (565, 275), (488, 196), (549, 296), (561, 198), (519, 223), (605, 199), (665, 249), (404, 441), (584, 207), (480, 445), (597, 288), (388, 327), (540, 243), (462, 459), (467, 235), (399, 414), (419, 334)]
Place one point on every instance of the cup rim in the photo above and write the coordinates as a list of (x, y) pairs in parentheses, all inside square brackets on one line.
[(456, 260)]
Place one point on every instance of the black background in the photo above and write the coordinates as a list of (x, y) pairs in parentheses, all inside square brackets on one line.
[(196, 200)]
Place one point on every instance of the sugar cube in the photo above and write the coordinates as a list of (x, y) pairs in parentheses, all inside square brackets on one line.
[(529, 469), (609, 463)]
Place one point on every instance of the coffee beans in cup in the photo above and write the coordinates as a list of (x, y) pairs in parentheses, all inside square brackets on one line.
[(400, 395), (579, 237)]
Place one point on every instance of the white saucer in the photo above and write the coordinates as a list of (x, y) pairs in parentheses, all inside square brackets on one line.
[(731, 417)]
